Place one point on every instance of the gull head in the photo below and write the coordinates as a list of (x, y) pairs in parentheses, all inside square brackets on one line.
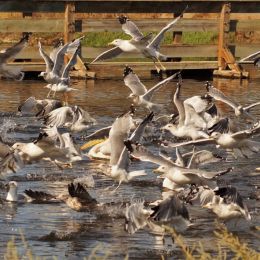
[(169, 127), (209, 205), (116, 42), (215, 135), (42, 74), (161, 169), (48, 86), (12, 191)]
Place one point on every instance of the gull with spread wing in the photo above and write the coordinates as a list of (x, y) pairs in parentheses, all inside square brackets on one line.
[(138, 43), (10, 53)]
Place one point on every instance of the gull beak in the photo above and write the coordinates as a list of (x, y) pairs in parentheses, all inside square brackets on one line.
[(91, 143), (156, 170), (110, 44)]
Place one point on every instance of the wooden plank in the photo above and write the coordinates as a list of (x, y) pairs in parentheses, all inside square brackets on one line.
[(185, 51), (100, 25), (145, 6), (32, 25), (69, 22), (245, 26)]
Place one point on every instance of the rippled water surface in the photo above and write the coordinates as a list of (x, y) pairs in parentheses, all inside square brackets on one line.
[(86, 230)]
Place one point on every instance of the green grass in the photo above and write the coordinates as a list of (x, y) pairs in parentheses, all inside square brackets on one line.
[(101, 39)]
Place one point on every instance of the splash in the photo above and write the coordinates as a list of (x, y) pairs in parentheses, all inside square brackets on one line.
[(8, 126)]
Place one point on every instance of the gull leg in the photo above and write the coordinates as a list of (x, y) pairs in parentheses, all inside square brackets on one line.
[(49, 93), (66, 98), (157, 69), (113, 191), (163, 68)]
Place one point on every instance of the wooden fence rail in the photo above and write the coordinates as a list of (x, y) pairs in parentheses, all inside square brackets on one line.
[(240, 17)]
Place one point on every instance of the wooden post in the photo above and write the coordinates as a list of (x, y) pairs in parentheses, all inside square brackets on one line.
[(225, 57), (177, 39), (69, 31), (69, 22)]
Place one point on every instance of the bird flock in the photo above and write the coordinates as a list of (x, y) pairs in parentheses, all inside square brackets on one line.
[(184, 138)]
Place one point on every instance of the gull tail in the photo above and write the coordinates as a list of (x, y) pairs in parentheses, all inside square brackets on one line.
[(134, 174)]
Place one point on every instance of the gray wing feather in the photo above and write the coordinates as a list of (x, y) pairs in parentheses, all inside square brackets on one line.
[(133, 82), (111, 53), (158, 38), (149, 94), (71, 63), (131, 29), (48, 61)]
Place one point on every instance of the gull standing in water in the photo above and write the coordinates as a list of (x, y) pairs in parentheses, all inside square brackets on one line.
[(138, 44), (10, 53)]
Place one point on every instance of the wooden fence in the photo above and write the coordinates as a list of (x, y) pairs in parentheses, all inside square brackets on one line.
[(239, 19)]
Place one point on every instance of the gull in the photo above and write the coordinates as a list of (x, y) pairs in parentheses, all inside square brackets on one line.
[(145, 99), (75, 118), (54, 67), (226, 203), (77, 198), (39, 107), (43, 148), (63, 85), (239, 109), (150, 50), (179, 175), (119, 169), (10, 53), (238, 142), (170, 212), (187, 118), (189, 160)]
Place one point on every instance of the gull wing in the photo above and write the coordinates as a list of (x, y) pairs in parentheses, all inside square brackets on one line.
[(251, 57), (15, 49), (179, 104), (56, 48), (203, 141), (28, 105), (247, 108), (222, 126), (255, 130), (59, 117), (192, 117), (39, 196), (149, 94), (132, 81), (219, 95), (70, 64), (80, 192), (135, 217), (213, 110), (155, 43), (230, 194), (59, 61), (100, 133), (135, 137), (130, 28), (48, 61), (168, 209), (111, 53)]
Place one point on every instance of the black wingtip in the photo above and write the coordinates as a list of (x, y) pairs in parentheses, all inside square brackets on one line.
[(127, 71), (122, 19), (40, 137), (128, 145)]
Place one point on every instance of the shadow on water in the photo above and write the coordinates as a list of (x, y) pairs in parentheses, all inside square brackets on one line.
[(56, 230)]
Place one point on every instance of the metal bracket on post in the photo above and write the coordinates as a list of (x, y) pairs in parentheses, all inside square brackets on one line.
[(225, 57)]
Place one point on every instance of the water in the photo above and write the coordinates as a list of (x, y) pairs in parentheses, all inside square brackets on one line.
[(87, 230)]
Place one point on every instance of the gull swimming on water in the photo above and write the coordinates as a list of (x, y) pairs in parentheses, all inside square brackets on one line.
[(138, 44), (9, 53)]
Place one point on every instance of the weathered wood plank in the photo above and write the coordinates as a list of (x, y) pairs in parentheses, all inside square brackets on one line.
[(145, 6), (184, 51), (32, 25)]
